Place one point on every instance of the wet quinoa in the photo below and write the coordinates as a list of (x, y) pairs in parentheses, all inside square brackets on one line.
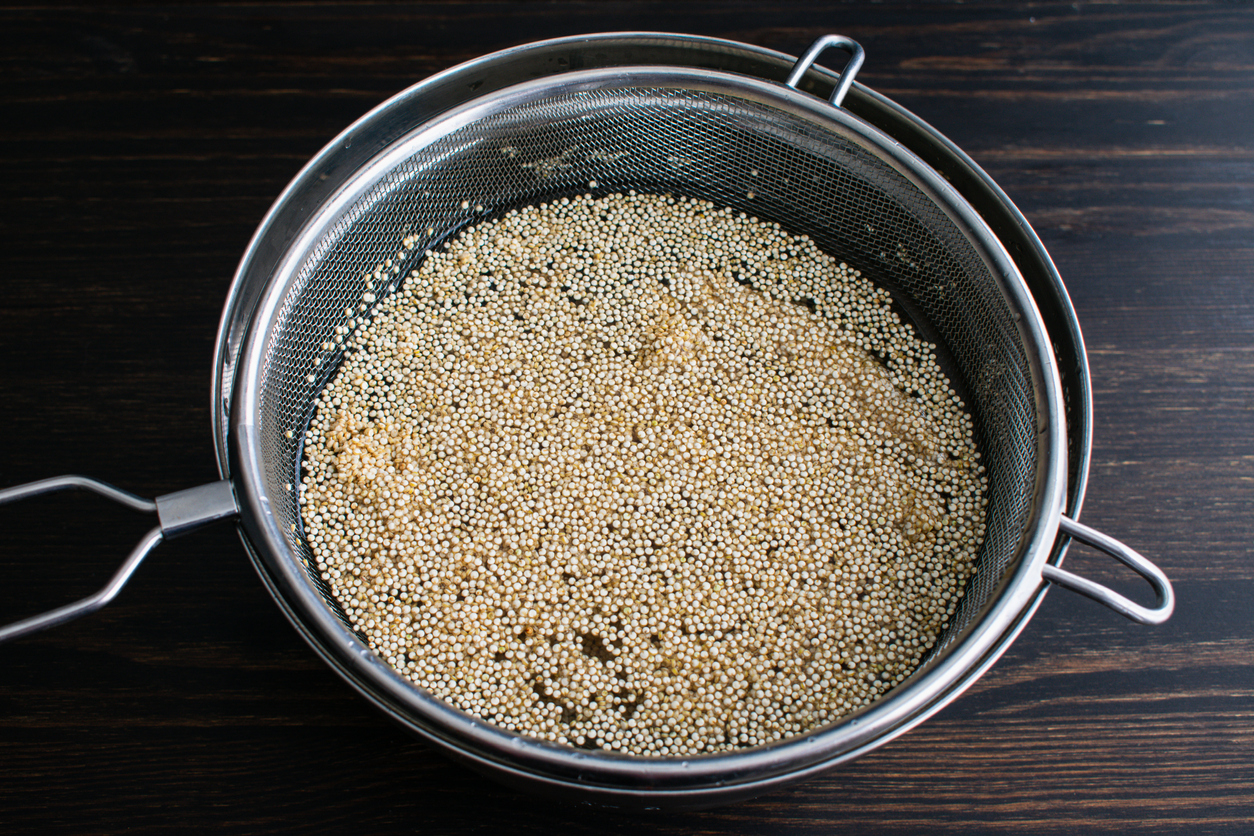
[(643, 474)]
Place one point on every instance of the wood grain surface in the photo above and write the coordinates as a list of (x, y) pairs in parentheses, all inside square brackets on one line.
[(140, 147)]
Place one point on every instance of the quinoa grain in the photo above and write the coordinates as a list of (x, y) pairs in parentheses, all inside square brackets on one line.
[(642, 474)]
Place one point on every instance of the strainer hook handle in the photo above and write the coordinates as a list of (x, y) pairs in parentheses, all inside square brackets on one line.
[(1157, 614), (177, 513), (856, 57)]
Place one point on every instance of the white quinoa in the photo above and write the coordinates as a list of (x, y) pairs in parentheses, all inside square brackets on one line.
[(643, 474)]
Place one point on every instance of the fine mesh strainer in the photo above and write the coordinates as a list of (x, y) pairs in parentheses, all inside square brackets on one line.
[(437, 158)]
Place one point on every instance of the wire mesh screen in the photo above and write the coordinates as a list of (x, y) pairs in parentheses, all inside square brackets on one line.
[(770, 162)]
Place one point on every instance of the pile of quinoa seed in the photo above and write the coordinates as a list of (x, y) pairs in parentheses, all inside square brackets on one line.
[(643, 474)]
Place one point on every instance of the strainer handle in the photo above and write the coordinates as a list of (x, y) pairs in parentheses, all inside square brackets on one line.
[(856, 56), (177, 513), (1129, 609)]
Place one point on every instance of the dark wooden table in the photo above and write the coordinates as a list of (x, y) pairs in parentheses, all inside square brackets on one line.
[(140, 147)]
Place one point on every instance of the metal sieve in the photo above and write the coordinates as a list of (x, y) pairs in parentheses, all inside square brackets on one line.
[(663, 114)]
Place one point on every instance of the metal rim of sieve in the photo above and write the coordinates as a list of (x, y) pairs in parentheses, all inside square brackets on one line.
[(620, 775), (260, 305)]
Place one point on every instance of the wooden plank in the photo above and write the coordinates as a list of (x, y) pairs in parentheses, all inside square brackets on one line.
[(139, 148)]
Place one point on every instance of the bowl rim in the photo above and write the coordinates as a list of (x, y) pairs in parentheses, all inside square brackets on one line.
[(238, 355)]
